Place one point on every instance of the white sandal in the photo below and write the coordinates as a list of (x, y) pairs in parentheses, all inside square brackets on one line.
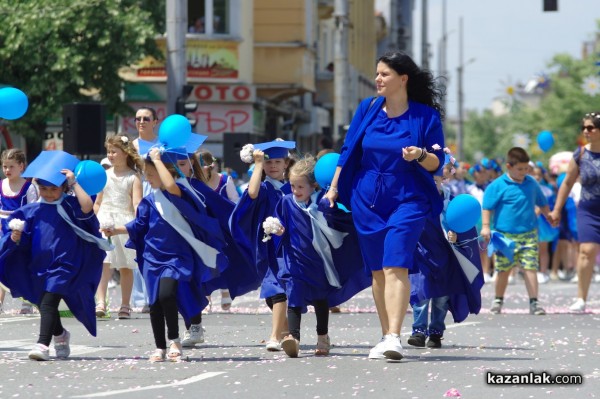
[(159, 355), (175, 350)]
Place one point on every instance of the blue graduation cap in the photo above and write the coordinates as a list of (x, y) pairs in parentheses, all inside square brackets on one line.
[(276, 149), (194, 142), (47, 166), (499, 243), (168, 155)]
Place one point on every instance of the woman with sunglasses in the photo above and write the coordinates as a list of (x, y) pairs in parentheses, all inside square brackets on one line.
[(145, 122), (586, 166)]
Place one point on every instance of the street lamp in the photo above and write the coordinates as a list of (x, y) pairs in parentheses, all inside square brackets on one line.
[(461, 121)]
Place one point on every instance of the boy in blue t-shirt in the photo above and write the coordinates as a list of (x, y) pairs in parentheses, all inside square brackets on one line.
[(512, 199)]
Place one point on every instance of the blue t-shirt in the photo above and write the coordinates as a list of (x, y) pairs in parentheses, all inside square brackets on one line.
[(514, 204)]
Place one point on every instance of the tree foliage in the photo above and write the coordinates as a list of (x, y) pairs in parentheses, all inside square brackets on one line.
[(61, 51), (561, 111)]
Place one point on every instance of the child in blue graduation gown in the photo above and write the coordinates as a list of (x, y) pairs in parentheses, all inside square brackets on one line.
[(320, 252), (448, 274), (175, 252), (57, 256), (271, 159)]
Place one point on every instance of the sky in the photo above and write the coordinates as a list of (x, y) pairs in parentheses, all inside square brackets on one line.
[(510, 41)]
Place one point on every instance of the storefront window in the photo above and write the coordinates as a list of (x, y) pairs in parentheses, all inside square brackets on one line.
[(217, 24)]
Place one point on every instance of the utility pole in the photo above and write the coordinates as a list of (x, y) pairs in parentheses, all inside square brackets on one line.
[(340, 69), (176, 57), (424, 43), (460, 69), (443, 67)]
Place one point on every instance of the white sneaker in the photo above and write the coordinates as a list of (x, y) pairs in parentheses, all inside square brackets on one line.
[(487, 278), (61, 344), (392, 347), (39, 352), (195, 335), (377, 351), (575, 279), (273, 346), (578, 306), (542, 278)]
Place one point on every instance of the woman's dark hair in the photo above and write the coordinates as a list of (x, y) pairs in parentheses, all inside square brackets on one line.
[(152, 111), (421, 86)]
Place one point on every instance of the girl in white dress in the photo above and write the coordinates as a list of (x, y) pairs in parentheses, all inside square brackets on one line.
[(116, 206)]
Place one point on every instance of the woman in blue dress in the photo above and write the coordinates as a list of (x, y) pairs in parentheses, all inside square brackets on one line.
[(385, 175), (585, 165)]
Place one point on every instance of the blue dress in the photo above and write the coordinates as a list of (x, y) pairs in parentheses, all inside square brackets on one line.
[(51, 257), (389, 201), (246, 228), (162, 252), (588, 209), (9, 204), (304, 268)]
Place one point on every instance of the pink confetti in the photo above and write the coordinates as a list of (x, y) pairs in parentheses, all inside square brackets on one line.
[(452, 393)]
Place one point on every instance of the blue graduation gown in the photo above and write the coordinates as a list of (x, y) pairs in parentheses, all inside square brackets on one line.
[(52, 257), (303, 267), (240, 276), (438, 272), (246, 228), (162, 252)]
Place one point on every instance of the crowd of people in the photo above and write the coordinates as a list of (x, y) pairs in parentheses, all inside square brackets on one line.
[(177, 229)]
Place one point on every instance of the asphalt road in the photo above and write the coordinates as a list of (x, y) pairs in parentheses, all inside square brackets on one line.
[(233, 362)]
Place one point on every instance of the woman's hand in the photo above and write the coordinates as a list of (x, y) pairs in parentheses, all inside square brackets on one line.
[(554, 218), (411, 153), (331, 195)]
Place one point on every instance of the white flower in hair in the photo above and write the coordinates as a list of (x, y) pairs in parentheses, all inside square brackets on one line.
[(16, 224), (246, 153), (271, 225), (125, 139)]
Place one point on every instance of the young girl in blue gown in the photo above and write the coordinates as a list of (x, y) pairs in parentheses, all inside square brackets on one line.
[(57, 256), (271, 160), (178, 248), (320, 249)]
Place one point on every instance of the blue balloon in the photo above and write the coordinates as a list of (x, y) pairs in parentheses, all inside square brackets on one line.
[(91, 176), (13, 103), (545, 140), (325, 168), (463, 213), (174, 131)]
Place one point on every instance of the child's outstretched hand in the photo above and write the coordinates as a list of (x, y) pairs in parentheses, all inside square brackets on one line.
[(69, 175), (258, 156), (452, 237), (155, 154)]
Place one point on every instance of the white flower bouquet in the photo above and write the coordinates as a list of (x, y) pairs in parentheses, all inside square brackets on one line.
[(271, 225), (246, 153)]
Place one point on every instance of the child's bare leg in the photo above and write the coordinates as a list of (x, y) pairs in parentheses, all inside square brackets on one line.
[(126, 286), (103, 286), (279, 321)]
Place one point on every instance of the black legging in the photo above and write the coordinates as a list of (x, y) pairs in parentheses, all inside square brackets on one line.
[(277, 298), (165, 310), (321, 311), (194, 320), (50, 319)]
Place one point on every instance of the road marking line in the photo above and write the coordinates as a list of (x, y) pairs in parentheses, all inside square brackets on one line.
[(187, 381)]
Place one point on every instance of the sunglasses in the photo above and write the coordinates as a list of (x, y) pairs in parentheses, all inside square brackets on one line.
[(589, 128), (143, 118)]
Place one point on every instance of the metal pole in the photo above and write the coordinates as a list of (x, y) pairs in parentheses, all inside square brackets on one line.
[(424, 44), (340, 68), (176, 57), (442, 55), (459, 70)]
